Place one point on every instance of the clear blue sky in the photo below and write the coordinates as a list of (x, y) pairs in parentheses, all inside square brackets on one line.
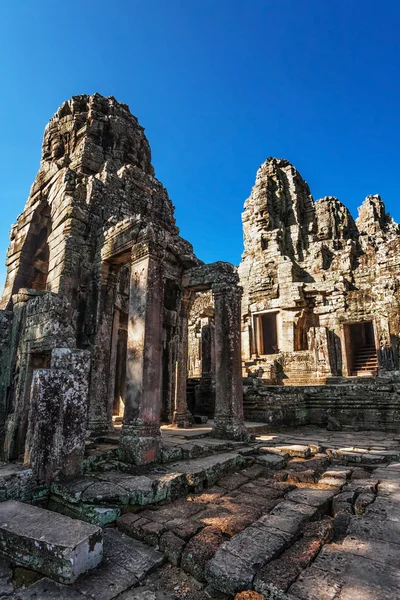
[(219, 85)]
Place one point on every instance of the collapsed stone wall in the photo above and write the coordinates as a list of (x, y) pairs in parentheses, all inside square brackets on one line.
[(318, 271)]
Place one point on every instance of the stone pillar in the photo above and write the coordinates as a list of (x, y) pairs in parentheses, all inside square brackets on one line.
[(182, 416), (55, 440), (228, 419), (101, 378), (140, 435)]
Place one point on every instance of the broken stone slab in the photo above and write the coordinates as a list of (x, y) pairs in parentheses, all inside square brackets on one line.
[(315, 584), (288, 517), (366, 529), (227, 573), (271, 461), (337, 473), (53, 544), (384, 509), (320, 499), (71, 490), (208, 469), (258, 545), (378, 551), (131, 489), (348, 567), (132, 555), (296, 450), (200, 549), (343, 503), (362, 486)]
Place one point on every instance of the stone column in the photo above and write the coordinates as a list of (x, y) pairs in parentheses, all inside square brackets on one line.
[(101, 379), (228, 419), (182, 416), (140, 435)]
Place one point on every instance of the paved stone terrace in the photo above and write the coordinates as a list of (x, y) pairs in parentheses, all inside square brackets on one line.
[(300, 514)]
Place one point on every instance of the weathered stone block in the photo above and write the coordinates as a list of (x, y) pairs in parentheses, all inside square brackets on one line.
[(57, 420), (227, 573), (199, 550), (172, 547), (271, 461), (50, 543)]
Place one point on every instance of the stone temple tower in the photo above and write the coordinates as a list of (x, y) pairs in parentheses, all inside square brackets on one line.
[(321, 291), (93, 319)]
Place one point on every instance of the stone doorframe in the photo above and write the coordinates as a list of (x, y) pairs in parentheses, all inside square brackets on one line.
[(344, 339), (222, 279)]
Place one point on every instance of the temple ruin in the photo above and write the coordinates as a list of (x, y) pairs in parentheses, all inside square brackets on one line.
[(95, 306), (321, 291), (138, 385)]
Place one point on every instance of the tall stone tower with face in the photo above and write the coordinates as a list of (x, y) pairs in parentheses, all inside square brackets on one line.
[(94, 314), (316, 285)]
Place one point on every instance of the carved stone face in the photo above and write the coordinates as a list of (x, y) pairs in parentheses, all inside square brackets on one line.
[(262, 219)]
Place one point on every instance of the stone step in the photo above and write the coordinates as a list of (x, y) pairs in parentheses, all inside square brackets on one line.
[(53, 544), (97, 499), (366, 457), (126, 563), (114, 489), (207, 470), (236, 562)]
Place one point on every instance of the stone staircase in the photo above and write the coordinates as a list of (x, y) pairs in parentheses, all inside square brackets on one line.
[(256, 517), (365, 362)]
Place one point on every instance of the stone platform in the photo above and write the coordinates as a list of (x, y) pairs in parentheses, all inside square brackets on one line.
[(308, 512)]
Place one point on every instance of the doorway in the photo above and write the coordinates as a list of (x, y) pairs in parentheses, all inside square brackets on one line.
[(266, 333), (120, 370), (361, 352)]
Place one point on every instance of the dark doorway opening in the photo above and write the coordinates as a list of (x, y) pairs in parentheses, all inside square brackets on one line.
[(267, 333), (361, 349), (120, 369)]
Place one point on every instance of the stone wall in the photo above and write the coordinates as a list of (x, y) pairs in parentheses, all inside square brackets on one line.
[(361, 405), (5, 339)]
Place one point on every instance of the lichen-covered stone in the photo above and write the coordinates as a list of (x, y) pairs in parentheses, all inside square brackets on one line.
[(50, 543)]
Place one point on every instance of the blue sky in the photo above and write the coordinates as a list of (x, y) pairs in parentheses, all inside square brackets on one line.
[(219, 86)]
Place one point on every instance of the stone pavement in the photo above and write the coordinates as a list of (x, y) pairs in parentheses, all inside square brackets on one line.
[(300, 514)]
